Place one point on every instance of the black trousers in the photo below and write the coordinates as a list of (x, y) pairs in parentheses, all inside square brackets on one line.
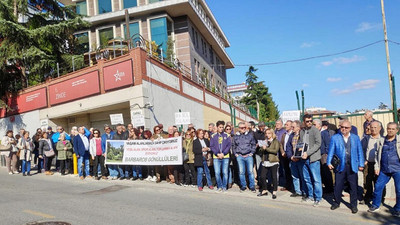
[(352, 178), (288, 173), (190, 174), (179, 174), (62, 166), (70, 166), (99, 159), (263, 177), (327, 179)]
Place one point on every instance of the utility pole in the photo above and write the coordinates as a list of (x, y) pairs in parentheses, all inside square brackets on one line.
[(387, 54)]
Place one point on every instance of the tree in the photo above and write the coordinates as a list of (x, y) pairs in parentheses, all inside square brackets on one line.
[(257, 91), (382, 106), (30, 51)]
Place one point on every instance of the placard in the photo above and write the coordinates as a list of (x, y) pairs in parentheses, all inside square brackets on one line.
[(75, 88), (182, 118), (44, 123), (137, 118), (144, 152), (117, 119), (290, 115), (301, 148)]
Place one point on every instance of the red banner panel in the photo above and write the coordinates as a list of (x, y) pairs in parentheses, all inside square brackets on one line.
[(118, 75), (75, 88), (27, 102)]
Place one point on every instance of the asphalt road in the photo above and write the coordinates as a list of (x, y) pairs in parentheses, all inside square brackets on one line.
[(68, 199)]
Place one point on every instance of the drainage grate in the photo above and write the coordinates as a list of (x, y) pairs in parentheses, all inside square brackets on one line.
[(49, 223)]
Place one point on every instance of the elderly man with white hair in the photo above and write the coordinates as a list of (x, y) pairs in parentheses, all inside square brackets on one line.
[(368, 120)]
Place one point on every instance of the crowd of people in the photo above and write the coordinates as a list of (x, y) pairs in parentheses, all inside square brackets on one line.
[(256, 158)]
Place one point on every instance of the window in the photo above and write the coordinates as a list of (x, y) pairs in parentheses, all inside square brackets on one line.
[(153, 1), (81, 8), (160, 29), (211, 56), (133, 29), (196, 38), (105, 35), (104, 6), (82, 43), (193, 37), (129, 3)]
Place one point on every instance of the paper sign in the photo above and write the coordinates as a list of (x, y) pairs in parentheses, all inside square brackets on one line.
[(116, 119), (290, 115), (137, 118), (182, 118)]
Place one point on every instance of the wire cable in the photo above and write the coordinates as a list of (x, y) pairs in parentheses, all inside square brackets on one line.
[(312, 57)]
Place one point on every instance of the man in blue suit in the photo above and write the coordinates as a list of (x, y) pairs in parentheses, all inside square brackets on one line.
[(347, 147), (81, 149)]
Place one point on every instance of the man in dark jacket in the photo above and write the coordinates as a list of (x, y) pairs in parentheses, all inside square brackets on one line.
[(259, 135), (244, 146), (326, 135)]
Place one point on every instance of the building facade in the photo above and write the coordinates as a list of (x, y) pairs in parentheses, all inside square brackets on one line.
[(197, 39)]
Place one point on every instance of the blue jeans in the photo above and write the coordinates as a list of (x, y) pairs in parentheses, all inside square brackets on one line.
[(312, 178), (206, 170), (137, 171), (383, 179), (27, 165), (83, 159), (221, 166), (123, 171), (246, 163), (113, 170), (297, 175)]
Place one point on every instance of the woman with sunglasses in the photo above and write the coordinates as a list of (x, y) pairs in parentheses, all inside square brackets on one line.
[(157, 136), (98, 155), (190, 173), (201, 149)]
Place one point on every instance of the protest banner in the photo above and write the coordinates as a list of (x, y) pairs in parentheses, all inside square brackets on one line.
[(144, 152)]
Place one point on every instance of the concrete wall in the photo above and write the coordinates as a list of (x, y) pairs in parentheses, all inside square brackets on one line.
[(166, 103), (29, 121)]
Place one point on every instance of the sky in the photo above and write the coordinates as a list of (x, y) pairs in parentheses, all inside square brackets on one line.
[(265, 31)]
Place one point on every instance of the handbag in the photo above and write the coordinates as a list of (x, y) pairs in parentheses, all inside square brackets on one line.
[(335, 162), (5, 148), (49, 153), (185, 156)]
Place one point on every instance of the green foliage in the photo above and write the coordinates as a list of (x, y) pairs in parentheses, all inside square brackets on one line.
[(115, 154), (170, 55), (30, 51), (257, 91)]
